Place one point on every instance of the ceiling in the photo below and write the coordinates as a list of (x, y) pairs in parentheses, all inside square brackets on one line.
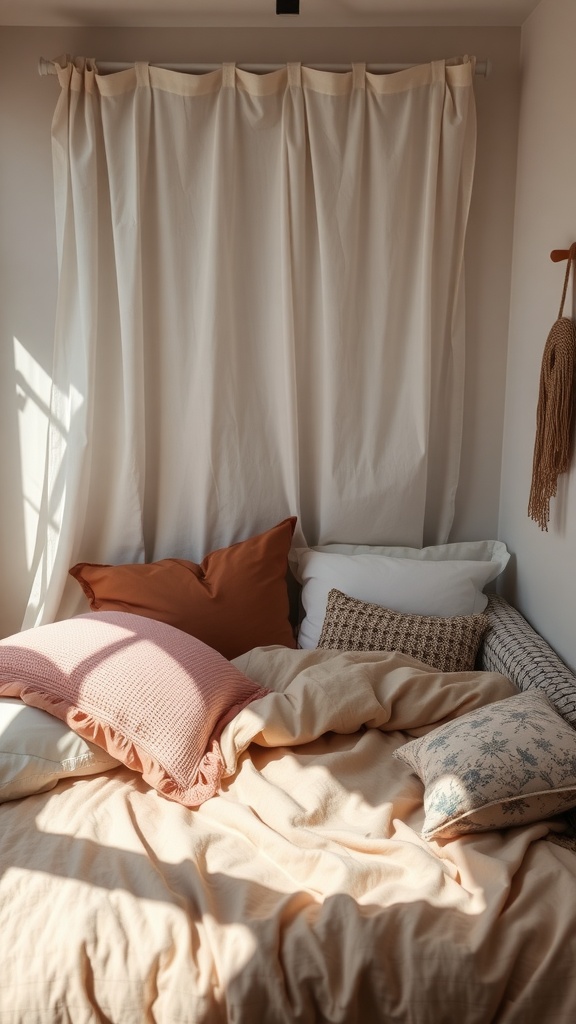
[(262, 13)]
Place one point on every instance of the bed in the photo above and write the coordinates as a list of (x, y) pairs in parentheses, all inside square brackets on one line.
[(316, 831)]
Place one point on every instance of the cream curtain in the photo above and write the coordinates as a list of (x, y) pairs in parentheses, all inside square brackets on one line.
[(260, 311)]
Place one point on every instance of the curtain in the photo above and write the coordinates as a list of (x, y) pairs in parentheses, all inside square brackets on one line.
[(260, 311)]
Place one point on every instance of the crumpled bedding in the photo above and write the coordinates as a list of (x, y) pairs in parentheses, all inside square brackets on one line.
[(302, 892)]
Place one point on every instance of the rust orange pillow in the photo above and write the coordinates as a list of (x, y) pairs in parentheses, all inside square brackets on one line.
[(234, 600)]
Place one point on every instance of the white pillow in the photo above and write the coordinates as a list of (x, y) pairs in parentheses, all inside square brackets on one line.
[(447, 579), (36, 750)]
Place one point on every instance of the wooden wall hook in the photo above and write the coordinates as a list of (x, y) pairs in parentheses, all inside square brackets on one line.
[(563, 254)]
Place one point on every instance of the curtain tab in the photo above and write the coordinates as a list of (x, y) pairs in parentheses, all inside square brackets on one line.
[(438, 70), (229, 75), (90, 72), (358, 76), (294, 74), (142, 70)]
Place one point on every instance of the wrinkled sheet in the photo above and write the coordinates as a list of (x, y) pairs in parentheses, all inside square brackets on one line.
[(302, 892)]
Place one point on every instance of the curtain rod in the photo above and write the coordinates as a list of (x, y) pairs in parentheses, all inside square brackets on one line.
[(48, 67)]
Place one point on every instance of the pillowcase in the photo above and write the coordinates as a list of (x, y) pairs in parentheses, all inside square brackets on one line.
[(447, 644), (507, 764), (148, 694), (36, 751), (514, 649), (234, 600), (444, 580)]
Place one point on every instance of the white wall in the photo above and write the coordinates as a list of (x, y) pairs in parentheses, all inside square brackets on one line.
[(542, 582), (28, 257)]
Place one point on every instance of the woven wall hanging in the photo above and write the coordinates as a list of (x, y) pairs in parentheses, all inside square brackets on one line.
[(553, 443)]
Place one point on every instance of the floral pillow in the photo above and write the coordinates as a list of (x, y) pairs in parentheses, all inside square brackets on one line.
[(507, 764)]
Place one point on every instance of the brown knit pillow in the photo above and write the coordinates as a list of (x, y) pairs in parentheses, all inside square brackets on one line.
[(447, 644)]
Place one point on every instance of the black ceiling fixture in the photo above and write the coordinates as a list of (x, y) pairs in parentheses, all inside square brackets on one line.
[(287, 6)]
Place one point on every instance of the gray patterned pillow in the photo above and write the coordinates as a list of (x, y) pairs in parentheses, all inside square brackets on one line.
[(513, 648), (449, 644), (507, 764)]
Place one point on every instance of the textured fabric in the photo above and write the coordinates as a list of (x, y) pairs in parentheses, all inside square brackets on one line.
[(37, 750), (152, 696), (554, 413), (436, 580), (509, 764), (513, 648), (235, 599), (243, 330), (449, 644)]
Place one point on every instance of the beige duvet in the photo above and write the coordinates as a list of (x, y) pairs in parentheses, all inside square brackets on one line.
[(303, 892)]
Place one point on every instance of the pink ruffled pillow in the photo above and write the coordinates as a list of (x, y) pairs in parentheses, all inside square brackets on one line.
[(149, 694)]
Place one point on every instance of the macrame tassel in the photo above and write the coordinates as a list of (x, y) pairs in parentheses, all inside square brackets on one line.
[(553, 443)]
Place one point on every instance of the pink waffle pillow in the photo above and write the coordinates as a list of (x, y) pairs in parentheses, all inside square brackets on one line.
[(154, 697)]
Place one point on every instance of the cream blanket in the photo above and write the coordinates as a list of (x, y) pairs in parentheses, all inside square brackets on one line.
[(302, 893)]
